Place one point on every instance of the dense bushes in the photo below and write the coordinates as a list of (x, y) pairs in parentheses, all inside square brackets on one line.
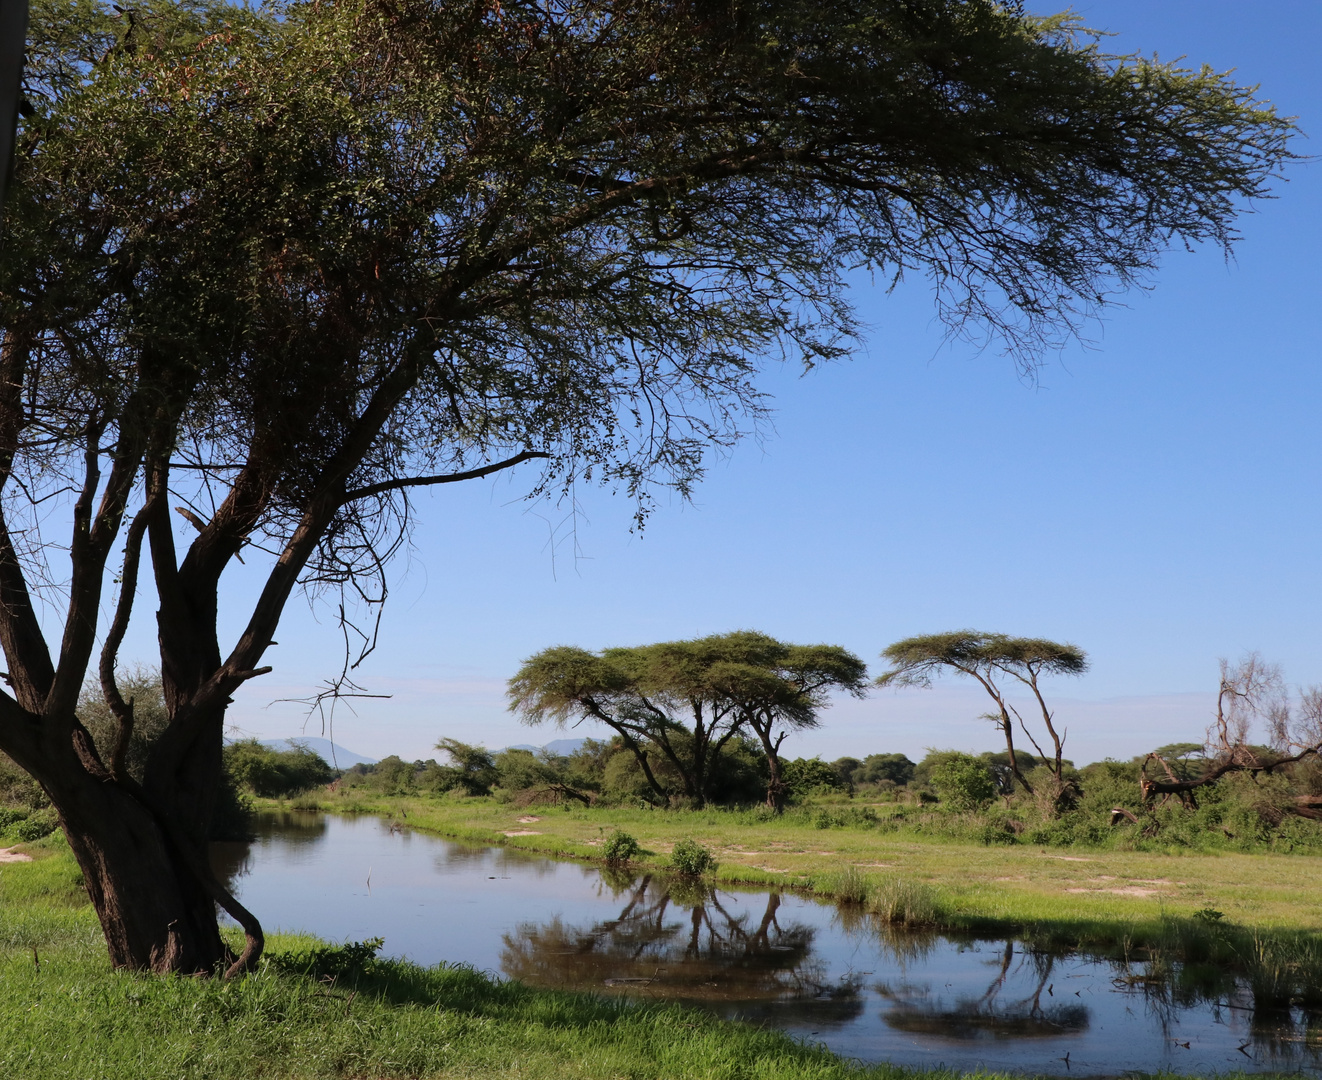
[(271, 773)]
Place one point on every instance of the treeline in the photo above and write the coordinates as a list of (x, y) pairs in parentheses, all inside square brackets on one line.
[(598, 772)]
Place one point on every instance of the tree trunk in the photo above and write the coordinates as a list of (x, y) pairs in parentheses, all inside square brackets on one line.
[(775, 781), (157, 911)]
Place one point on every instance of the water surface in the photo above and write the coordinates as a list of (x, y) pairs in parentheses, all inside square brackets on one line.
[(825, 974)]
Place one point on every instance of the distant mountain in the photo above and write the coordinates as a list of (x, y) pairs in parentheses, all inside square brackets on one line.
[(561, 747), (330, 752)]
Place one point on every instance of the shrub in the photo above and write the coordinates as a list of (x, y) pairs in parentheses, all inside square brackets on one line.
[(691, 859), (272, 773), (964, 782), (621, 847), (25, 828), (475, 768), (810, 776)]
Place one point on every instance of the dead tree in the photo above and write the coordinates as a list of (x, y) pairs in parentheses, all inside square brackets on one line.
[(1251, 693)]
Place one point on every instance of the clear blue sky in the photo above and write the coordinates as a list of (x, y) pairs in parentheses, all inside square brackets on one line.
[(1154, 500)]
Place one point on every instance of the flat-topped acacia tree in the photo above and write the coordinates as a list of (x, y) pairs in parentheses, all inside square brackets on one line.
[(281, 267), (682, 702), (990, 659)]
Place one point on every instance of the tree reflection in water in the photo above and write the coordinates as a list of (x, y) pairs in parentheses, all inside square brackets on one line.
[(681, 941), (992, 1014), (232, 859)]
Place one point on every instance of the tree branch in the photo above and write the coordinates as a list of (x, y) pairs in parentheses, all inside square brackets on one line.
[(444, 478)]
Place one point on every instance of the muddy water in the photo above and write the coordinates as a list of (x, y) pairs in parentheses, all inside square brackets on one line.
[(824, 974)]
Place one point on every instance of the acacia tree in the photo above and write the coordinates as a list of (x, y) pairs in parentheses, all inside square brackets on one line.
[(777, 688), (656, 698), (688, 699), (280, 268), (990, 658)]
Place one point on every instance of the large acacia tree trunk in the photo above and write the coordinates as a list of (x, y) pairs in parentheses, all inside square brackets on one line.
[(144, 862), (156, 913)]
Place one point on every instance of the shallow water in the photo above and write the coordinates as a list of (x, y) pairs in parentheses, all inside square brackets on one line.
[(823, 973)]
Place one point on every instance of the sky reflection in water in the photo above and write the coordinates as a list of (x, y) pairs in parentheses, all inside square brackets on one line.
[(825, 974)]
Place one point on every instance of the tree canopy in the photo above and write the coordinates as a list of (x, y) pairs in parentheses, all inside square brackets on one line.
[(990, 658), (685, 700), (278, 268)]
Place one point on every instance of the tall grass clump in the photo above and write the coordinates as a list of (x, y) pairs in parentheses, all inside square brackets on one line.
[(907, 903), (847, 886)]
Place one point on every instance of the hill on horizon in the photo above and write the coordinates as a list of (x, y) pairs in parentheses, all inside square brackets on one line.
[(329, 752)]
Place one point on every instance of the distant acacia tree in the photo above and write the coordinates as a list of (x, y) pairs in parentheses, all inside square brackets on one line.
[(778, 688), (686, 700), (990, 659), (655, 698), (282, 267)]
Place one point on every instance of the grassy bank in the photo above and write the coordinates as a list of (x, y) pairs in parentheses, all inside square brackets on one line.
[(318, 1011), (975, 886)]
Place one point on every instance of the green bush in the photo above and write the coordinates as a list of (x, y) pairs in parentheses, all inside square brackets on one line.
[(272, 773), (810, 776), (964, 782), (23, 828), (691, 859), (620, 847)]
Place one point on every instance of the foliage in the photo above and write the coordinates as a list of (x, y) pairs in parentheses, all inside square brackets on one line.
[(142, 686), (964, 782), (907, 903), (278, 267), (474, 768), (805, 777), (21, 826), (271, 773), (988, 659), (688, 858), (891, 768), (620, 847), (676, 706)]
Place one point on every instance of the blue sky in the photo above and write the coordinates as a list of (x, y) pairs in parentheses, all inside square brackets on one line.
[(1154, 499)]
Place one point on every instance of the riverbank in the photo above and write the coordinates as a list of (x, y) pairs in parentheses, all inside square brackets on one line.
[(1096, 893), (315, 1011)]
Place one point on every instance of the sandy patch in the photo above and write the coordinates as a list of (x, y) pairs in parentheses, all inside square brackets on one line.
[(1127, 890), (1069, 858), (522, 832), (770, 869), (529, 819), (10, 855)]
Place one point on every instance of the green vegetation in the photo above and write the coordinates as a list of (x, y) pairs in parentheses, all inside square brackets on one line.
[(688, 858), (271, 773), (315, 1010), (292, 262), (677, 705), (620, 847)]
